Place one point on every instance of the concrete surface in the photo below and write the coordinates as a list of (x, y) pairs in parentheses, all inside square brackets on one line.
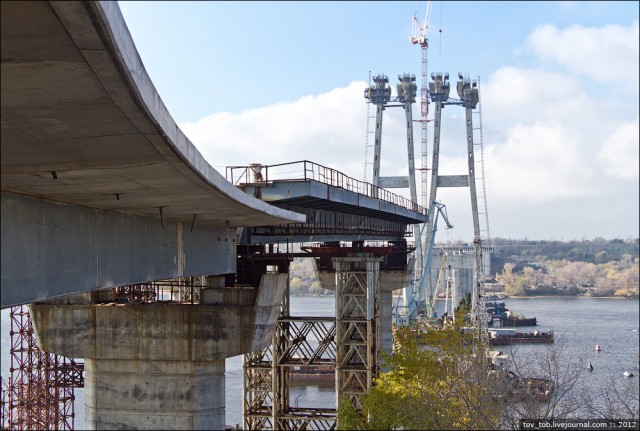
[(82, 127), (160, 365)]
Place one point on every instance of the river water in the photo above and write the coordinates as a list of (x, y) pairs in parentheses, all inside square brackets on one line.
[(578, 324)]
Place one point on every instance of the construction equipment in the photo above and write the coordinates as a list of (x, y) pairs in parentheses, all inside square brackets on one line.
[(413, 301), (431, 312), (419, 37)]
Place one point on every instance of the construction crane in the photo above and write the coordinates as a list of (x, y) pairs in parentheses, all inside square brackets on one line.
[(441, 210), (419, 37), (414, 300)]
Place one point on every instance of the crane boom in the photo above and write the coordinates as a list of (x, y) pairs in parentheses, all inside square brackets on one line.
[(431, 311), (420, 29), (441, 210), (412, 300)]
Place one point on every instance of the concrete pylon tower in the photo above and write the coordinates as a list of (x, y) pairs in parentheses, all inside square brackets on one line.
[(439, 89), (380, 95)]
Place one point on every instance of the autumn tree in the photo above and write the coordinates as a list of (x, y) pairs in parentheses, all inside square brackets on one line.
[(436, 379)]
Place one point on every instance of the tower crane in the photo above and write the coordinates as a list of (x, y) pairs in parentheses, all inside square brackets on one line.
[(419, 37)]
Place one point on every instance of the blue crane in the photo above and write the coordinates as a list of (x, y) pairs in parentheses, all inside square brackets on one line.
[(412, 301)]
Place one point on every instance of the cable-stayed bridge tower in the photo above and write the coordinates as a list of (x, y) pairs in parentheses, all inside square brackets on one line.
[(380, 95), (467, 90)]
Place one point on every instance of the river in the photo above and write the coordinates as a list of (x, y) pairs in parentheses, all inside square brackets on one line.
[(578, 324)]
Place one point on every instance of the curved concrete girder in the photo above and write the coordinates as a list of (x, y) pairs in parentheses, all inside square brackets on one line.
[(83, 124)]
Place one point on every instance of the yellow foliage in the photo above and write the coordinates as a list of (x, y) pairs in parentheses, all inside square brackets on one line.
[(435, 381)]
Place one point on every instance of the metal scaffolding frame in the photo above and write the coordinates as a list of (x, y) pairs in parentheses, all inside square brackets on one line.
[(357, 323), (312, 342), (40, 391), (297, 341)]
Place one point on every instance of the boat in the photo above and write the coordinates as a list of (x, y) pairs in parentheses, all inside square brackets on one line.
[(627, 374), (523, 321), (509, 318), (502, 337)]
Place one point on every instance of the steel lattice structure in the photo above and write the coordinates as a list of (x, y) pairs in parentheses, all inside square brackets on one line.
[(308, 341), (349, 342), (40, 392), (357, 317)]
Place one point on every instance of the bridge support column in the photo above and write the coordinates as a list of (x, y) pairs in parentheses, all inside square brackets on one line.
[(160, 365), (386, 320), (151, 394), (357, 326)]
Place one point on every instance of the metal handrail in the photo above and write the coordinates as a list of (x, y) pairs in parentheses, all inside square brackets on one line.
[(304, 170)]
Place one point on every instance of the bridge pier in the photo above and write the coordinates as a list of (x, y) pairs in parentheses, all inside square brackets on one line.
[(160, 365), (357, 326)]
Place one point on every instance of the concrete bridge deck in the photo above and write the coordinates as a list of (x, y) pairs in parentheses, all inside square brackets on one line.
[(100, 188), (96, 175), (338, 207)]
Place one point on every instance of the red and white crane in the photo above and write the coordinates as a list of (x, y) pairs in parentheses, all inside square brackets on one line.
[(419, 37)]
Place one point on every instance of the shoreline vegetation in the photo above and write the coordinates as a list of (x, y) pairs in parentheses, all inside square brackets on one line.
[(593, 268), (597, 268), (313, 295), (542, 277), (572, 296)]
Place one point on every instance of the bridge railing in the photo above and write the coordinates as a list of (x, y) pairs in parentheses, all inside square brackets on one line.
[(305, 170)]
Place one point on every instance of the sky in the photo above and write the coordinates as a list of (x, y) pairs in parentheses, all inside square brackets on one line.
[(277, 82)]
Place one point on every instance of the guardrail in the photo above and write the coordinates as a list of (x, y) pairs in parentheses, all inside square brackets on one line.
[(305, 170)]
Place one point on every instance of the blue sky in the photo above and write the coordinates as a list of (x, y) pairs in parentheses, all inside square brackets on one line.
[(273, 82)]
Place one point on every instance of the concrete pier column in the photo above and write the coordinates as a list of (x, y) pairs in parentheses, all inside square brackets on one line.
[(160, 365), (154, 394), (385, 298)]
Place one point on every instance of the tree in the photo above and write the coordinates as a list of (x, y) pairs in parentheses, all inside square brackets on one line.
[(435, 380), (514, 284)]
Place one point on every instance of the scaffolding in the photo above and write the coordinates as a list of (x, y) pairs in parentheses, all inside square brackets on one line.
[(40, 392), (308, 342), (348, 343)]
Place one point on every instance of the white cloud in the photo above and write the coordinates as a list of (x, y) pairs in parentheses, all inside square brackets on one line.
[(328, 129), (539, 163), (619, 153), (606, 54), (554, 148)]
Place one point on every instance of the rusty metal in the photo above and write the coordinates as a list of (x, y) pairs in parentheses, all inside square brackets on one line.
[(180, 290), (348, 342), (40, 391), (357, 322)]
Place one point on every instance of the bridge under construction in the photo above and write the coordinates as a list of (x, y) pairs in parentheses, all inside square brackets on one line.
[(123, 247)]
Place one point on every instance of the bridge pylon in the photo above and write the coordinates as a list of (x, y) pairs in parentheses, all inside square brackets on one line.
[(468, 93)]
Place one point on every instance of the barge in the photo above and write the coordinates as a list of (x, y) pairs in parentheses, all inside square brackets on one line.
[(505, 337)]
